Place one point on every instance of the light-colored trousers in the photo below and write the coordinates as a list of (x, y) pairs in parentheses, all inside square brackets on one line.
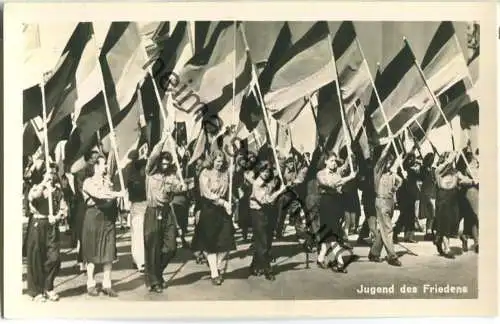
[(137, 212)]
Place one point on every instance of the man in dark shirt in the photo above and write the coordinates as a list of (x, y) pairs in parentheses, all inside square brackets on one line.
[(136, 185)]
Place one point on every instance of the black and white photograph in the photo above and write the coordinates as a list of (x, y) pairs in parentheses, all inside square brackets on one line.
[(250, 160)]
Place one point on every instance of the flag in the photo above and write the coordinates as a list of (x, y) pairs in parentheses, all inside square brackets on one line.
[(84, 137), (328, 118), (151, 111), (283, 140), (127, 129), (62, 76), (251, 110), (353, 75), (205, 75), (31, 141), (444, 62), (261, 37), (304, 67), (402, 92), (123, 57)]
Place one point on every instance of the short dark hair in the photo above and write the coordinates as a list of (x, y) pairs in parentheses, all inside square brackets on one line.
[(89, 155)]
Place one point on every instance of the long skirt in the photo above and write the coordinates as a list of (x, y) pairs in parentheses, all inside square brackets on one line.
[(446, 223), (99, 235), (469, 200), (331, 215), (42, 247), (214, 232), (76, 224), (261, 240), (137, 213)]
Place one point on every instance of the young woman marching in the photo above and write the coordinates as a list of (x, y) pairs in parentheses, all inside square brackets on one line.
[(261, 197), (99, 232), (330, 182), (43, 241), (447, 178), (214, 233)]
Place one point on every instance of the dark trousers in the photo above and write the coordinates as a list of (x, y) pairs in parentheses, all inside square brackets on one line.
[(44, 263), (181, 213), (160, 245), (406, 219), (385, 210), (261, 240)]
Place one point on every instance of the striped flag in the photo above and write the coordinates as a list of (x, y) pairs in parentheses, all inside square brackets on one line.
[(62, 75), (402, 92)]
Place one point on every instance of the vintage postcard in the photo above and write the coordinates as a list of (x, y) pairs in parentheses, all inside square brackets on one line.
[(250, 159)]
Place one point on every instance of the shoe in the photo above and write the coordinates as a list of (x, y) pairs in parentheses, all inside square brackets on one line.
[(476, 248), (428, 237), (156, 289), (164, 285), (465, 246), (449, 255), (51, 296), (395, 239), (269, 276), (217, 281), (394, 262), (410, 240), (374, 258), (109, 292), (340, 268), (142, 269), (92, 291), (322, 265), (40, 298), (437, 243), (346, 245)]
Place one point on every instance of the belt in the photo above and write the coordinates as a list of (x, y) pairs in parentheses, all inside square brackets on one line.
[(385, 198)]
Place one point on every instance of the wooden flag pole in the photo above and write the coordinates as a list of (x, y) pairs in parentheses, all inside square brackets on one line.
[(381, 106), (341, 103), (263, 105), (436, 101), (438, 104), (231, 162), (112, 134), (427, 138), (164, 117), (46, 140)]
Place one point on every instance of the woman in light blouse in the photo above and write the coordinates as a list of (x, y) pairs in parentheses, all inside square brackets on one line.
[(99, 232), (214, 234), (261, 198), (330, 183)]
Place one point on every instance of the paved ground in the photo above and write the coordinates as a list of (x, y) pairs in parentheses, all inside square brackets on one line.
[(190, 281)]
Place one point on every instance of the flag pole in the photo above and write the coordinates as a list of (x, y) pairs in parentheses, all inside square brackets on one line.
[(341, 103), (386, 120), (231, 161), (427, 138), (164, 117), (46, 139), (436, 101), (112, 134), (262, 105)]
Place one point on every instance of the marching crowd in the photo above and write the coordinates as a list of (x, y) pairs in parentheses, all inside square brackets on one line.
[(245, 191)]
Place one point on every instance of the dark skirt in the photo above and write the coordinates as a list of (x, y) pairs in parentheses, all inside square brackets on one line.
[(99, 235), (447, 222), (468, 202), (214, 232), (331, 215), (350, 202)]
